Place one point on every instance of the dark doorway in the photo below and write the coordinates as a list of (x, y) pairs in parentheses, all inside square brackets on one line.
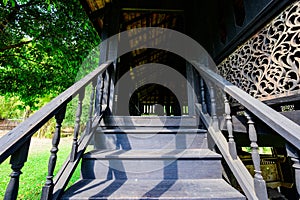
[(154, 99)]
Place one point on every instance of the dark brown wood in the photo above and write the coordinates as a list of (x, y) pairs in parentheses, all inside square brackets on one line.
[(202, 91), (77, 125), (213, 114), (17, 161), (91, 108), (16, 142), (259, 183), (13, 140), (293, 153), (48, 188), (231, 142), (286, 128), (65, 173)]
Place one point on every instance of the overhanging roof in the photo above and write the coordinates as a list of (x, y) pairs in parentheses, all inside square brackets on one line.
[(219, 26)]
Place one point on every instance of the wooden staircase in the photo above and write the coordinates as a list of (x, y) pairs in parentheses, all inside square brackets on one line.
[(151, 158)]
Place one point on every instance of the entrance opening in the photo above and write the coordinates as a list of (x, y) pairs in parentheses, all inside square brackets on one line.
[(155, 100)]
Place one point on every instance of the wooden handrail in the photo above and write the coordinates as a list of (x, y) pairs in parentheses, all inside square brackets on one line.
[(286, 128), (236, 166), (276, 121), (16, 143), (17, 137)]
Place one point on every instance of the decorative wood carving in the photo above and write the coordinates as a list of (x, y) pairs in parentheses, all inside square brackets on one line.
[(268, 64)]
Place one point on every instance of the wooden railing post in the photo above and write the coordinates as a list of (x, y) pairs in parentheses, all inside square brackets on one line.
[(17, 161), (202, 90), (102, 90), (91, 107), (293, 153), (215, 122), (77, 125), (231, 142), (259, 183), (47, 190)]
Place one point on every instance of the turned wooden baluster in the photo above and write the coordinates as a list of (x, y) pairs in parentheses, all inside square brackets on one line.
[(77, 126), (231, 142), (101, 93), (259, 183), (202, 90), (47, 190), (91, 108), (17, 161), (293, 153), (215, 123)]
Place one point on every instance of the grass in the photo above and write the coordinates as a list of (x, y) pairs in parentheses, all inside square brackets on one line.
[(36, 168)]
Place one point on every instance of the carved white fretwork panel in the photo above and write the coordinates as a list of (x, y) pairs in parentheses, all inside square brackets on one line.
[(268, 64)]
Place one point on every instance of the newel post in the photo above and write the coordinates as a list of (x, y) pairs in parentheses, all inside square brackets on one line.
[(259, 183)]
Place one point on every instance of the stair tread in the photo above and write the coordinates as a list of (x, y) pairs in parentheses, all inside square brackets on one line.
[(153, 130), (153, 154), (155, 121), (152, 189)]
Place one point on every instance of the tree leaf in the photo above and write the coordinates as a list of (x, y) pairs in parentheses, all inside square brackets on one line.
[(5, 2)]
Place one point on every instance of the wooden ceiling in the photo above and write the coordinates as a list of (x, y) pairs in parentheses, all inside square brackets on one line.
[(218, 25)]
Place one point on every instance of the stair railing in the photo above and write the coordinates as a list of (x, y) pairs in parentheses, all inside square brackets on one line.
[(253, 187), (16, 143)]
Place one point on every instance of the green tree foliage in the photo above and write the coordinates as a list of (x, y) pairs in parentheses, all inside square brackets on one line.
[(42, 46)]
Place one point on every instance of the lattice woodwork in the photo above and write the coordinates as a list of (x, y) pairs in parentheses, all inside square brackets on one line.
[(268, 65)]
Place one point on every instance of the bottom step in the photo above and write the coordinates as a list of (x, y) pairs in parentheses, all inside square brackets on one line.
[(152, 189)]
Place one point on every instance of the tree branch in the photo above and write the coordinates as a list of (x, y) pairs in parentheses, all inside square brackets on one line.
[(14, 46)]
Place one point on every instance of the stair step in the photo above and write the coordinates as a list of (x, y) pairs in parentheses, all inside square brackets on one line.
[(151, 130), (150, 138), (150, 121), (152, 164), (212, 189)]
